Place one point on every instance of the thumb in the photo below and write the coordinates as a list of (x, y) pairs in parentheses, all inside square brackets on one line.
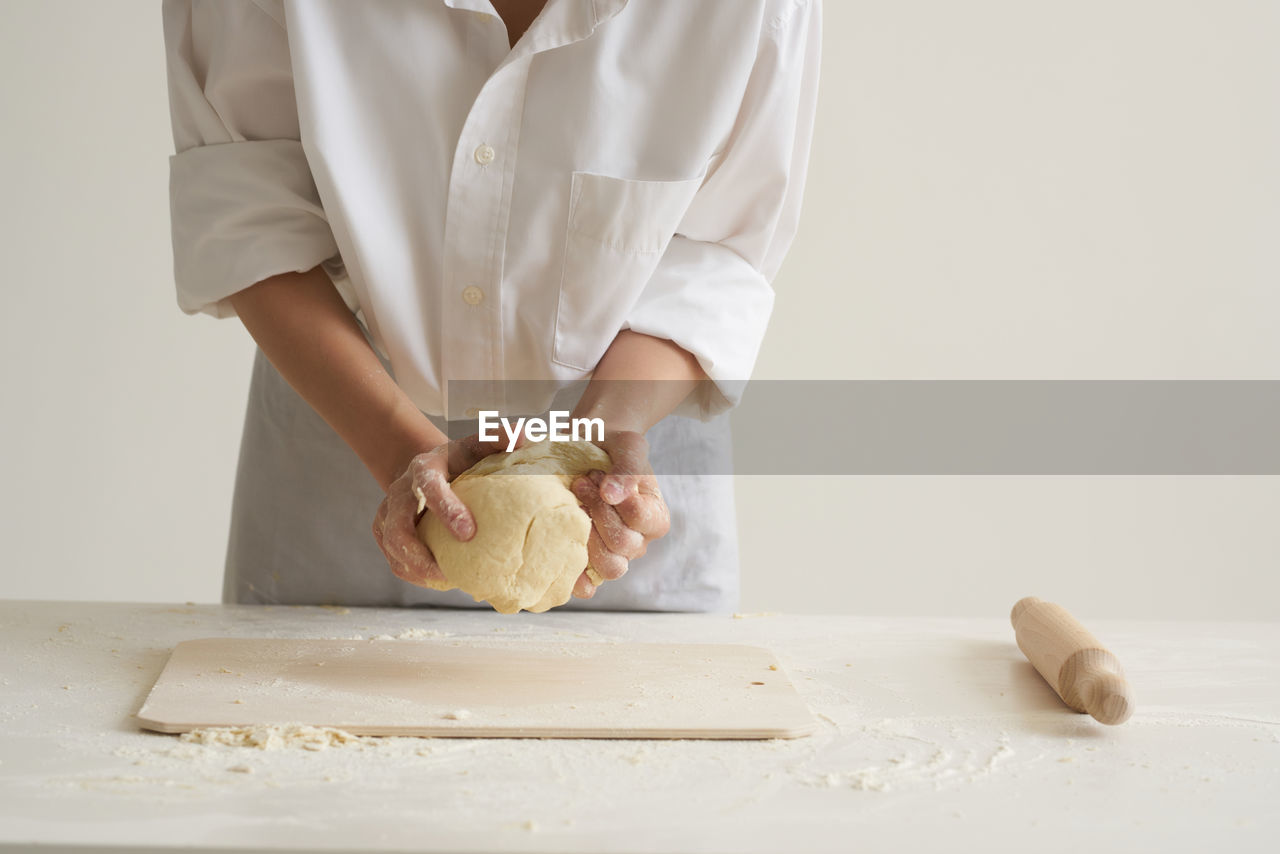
[(434, 493)]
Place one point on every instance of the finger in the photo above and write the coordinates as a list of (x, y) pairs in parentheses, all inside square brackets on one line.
[(429, 576), (404, 573), (419, 569), (609, 565), (583, 588), (647, 511), (422, 571), (605, 520), (629, 454), (430, 485), (405, 552)]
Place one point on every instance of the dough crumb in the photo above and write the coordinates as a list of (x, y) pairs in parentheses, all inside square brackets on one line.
[(868, 781), (863, 780), (241, 769), (746, 616), (275, 737), (457, 715)]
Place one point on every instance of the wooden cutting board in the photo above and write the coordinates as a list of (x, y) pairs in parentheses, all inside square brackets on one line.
[(468, 689)]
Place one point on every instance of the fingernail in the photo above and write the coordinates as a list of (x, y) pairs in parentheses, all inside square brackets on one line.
[(461, 525), (612, 491)]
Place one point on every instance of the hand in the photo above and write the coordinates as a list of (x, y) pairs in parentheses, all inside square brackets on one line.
[(626, 508), (424, 488)]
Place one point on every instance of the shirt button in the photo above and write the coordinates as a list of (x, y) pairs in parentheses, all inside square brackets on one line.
[(485, 154), (472, 295)]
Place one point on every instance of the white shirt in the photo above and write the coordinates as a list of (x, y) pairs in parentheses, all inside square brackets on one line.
[(492, 213)]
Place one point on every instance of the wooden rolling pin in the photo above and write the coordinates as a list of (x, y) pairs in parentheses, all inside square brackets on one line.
[(1086, 676)]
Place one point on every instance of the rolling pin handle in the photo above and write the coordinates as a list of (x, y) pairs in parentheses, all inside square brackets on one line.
[(1022, 605), (1107, 696)]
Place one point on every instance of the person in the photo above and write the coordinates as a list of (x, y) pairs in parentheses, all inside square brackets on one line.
[(415, 208)]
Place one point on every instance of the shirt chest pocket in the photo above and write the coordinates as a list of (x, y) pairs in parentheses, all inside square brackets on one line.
[(618, 230)]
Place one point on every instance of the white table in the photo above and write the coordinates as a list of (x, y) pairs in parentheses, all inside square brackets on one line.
[(935, 734)]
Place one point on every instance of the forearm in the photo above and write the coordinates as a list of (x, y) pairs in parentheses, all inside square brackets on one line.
[(639, 381), (302, 325)]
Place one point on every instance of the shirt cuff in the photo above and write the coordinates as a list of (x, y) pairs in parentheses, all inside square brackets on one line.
[(709, 300), (242, 212)]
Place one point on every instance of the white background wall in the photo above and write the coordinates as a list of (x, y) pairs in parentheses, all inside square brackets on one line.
[(998, 190)]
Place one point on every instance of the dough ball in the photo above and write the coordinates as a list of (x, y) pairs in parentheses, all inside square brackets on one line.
[(531, 536)]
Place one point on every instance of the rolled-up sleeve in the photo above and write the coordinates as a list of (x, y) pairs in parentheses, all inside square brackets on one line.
[(712, 291), (243, 203)]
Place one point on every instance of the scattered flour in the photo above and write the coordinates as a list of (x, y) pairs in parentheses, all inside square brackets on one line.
[(866, 780), (1002, 753), (904, 757), (414, 634)]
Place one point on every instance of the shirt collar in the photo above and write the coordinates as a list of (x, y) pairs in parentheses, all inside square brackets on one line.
[(561, 21), (603, 10)]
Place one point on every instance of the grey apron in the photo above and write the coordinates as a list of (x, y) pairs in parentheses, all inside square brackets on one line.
[(303, 507)]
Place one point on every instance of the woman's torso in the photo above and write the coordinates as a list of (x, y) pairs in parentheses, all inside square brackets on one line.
[(499, 210)]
